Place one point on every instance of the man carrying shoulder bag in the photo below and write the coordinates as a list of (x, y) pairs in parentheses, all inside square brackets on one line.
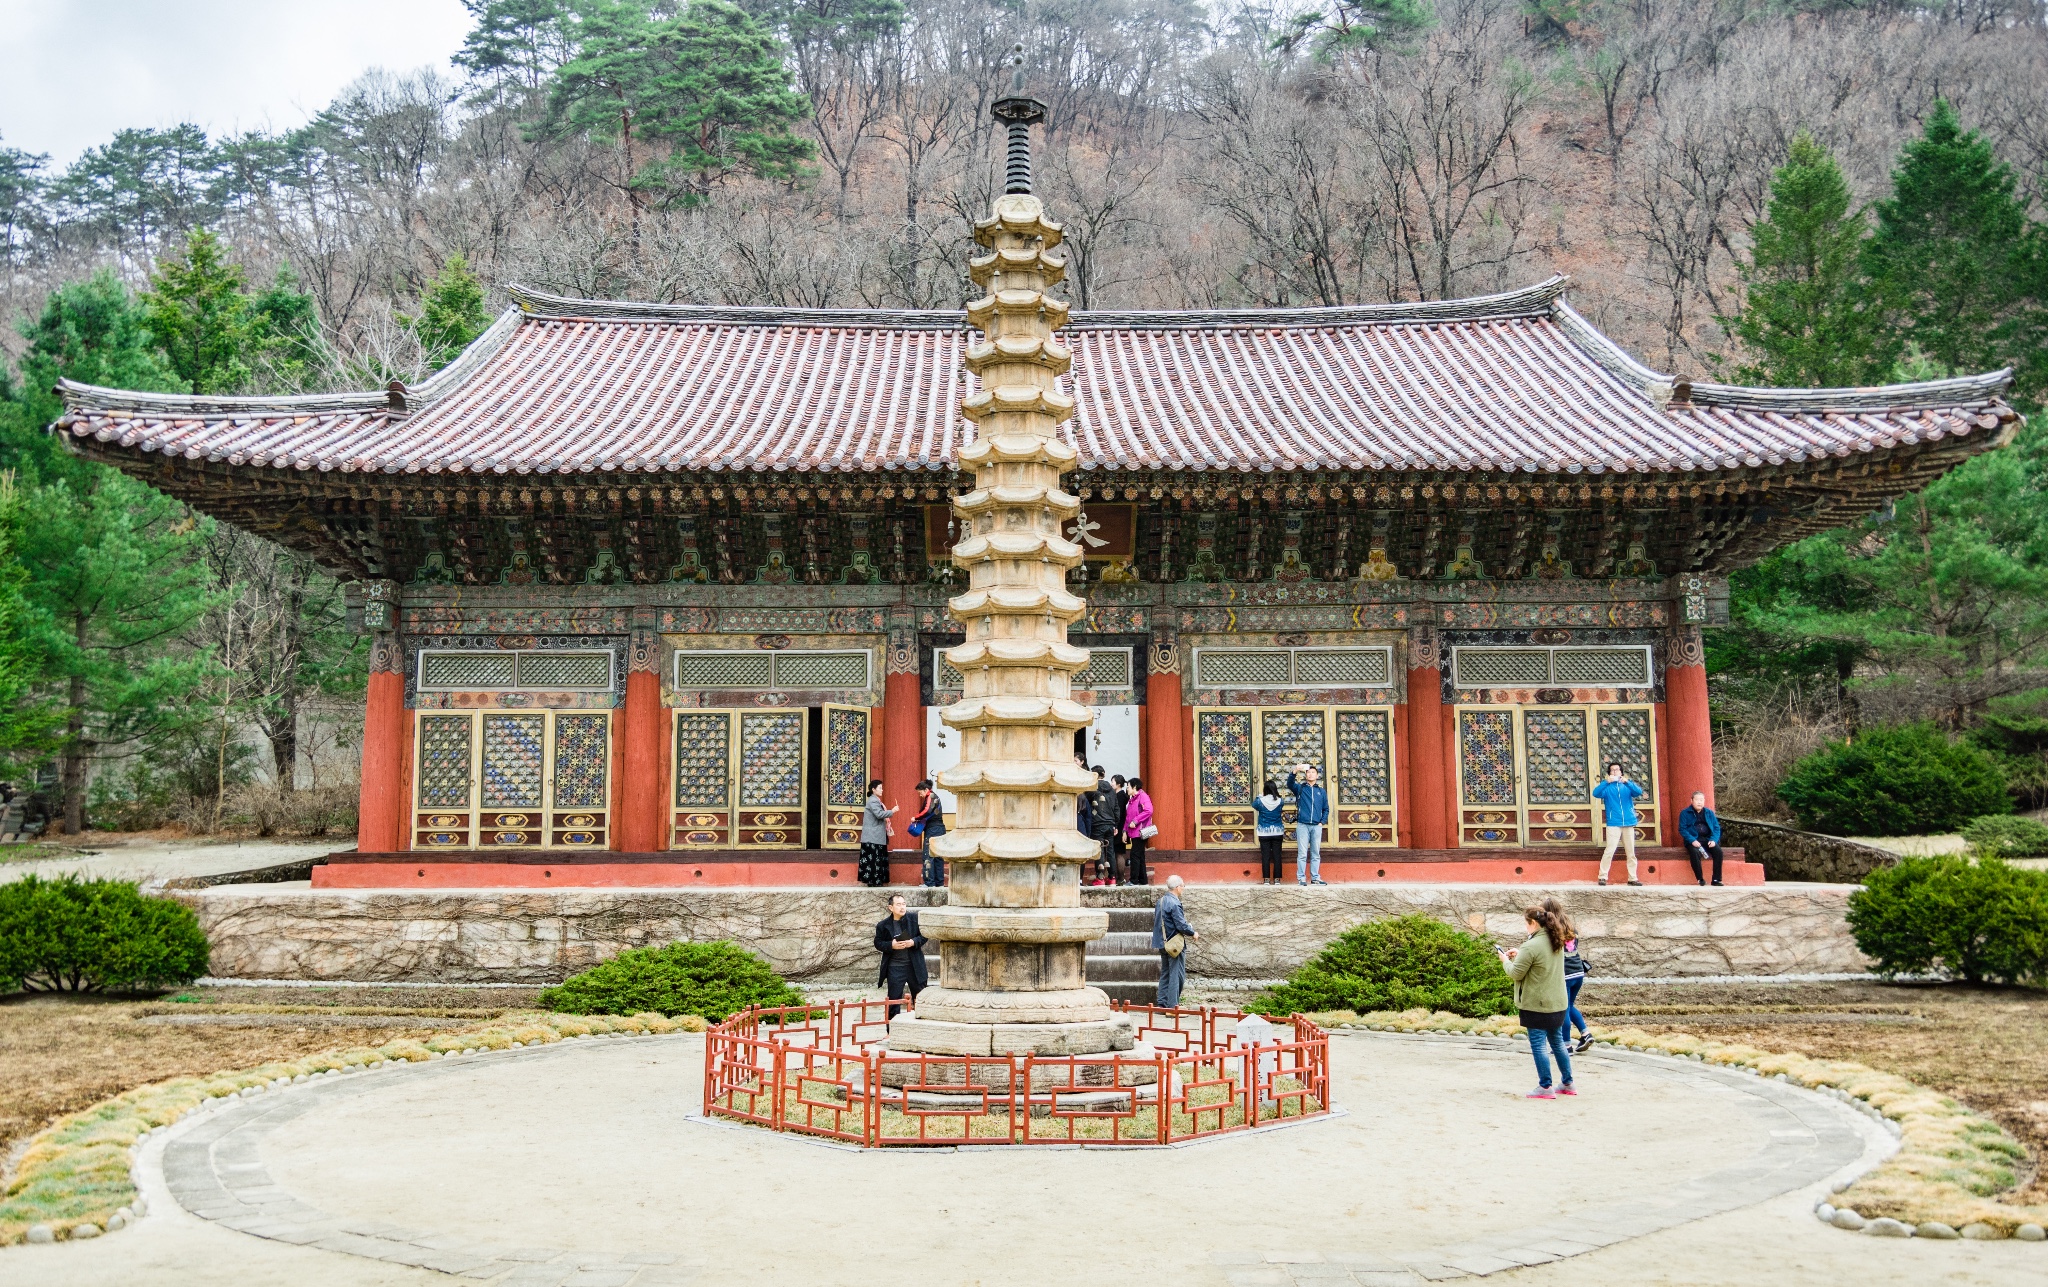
[(1171, 935)]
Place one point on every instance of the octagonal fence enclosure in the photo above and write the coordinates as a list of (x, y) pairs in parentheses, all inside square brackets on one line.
[(823, 1070)]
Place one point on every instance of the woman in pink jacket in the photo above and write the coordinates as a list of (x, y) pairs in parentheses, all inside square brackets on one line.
[(1138, 828)]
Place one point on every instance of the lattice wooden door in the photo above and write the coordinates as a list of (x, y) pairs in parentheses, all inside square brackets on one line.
[(513, 779)]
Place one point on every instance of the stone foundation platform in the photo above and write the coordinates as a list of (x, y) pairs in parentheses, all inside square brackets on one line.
[(824, 936)]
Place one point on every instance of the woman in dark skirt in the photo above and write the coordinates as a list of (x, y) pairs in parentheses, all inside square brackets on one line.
[(874, 838)]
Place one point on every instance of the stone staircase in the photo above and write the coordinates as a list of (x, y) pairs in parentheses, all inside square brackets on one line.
[(1121, 962)]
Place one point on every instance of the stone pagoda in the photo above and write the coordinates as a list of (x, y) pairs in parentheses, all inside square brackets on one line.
[(1014, 939)]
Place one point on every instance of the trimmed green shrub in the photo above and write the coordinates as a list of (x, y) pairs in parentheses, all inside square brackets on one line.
[(95, 936), (1904, 781), (711, 979), (1984, 921), (1400, 963), (2004, 836)]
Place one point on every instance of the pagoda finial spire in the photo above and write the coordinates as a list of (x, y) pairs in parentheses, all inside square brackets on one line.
[(1019, 112)]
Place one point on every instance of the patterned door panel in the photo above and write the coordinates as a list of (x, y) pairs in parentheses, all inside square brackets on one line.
[(516, 779), (1236, 750), (1225, 754), (846, 775), (771, 779), (1488, 786), (1362, 788), (1525, 774), (1625, 734), (1559, 778), (443, 783), (703, 787)]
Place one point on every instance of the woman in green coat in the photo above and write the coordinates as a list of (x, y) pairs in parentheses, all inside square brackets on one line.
[(1537, 967)]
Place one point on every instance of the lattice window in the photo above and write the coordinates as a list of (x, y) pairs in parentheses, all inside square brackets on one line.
[(444, 761), (1602, 667), (846, 758), (512, 761), (703, 759), (468, 670), (565, 670), (1486, 756), (1290, 738), (821, 669), (1364, 760), (1343, 667), (724, 670), (1500, 667), (1106, 668), (582, 760), (772, 759), (1555, 744), (945, 674), (1223, 754), (1263, 668), (1625, 736)]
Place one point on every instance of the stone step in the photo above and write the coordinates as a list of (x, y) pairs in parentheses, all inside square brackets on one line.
[(1123, 969), (1123, 943), (1130, 920), (1127, 991)]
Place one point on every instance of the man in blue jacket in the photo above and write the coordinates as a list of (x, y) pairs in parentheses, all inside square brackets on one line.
[(1168, 921), (1311, 811), (1700, 832), (1617, 796)]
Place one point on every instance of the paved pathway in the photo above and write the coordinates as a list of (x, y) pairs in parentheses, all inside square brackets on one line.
[(582, 1165), (149, 859)]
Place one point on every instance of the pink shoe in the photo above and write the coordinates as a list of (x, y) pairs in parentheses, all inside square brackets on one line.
[(1567, 1089), (1541, 1092)]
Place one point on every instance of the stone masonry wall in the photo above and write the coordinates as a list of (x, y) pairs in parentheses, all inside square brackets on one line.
[(824, 935), (1790, 854)]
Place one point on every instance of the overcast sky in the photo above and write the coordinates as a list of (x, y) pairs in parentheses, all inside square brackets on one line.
[(74, 71)]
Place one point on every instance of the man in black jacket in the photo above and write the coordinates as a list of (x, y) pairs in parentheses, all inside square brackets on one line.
[(902, 948), (1108, 818)]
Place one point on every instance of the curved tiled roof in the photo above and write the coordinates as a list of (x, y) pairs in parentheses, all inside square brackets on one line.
[(1511, 382)]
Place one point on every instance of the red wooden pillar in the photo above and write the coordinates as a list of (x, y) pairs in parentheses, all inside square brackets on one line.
[(641, 790), (902, 741), (382, 807), (1168, 772), (1687, 725), (1428, 789)]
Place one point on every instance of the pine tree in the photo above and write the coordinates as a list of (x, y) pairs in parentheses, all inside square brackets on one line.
[(689, 99), (1947, 257), (109, 567), (451, 314), (198, 312), (1806, 313)]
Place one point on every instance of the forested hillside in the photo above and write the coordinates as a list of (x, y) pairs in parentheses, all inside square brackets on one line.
[(1791, 191)]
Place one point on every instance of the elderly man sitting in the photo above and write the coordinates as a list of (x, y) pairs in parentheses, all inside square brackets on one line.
[(1171, 935)]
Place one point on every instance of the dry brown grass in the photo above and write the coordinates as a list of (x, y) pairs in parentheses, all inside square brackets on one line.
[(59, 1054), (1751, 760)]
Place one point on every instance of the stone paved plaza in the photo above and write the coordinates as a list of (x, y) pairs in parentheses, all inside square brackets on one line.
[(586, 1164)]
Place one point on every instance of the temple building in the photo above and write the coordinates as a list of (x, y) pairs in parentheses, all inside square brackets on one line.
[(655, 590)]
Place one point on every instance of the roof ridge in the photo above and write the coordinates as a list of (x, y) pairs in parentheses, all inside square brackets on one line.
[(1924, 395), (1526, 301)]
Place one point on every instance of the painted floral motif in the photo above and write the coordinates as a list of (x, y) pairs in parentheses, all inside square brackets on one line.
[(512, 761), (1555, 742), (582, 756), (444, 761), (1223, 752), (1486, 754), (772, 759), (1364, 775), (703, 759), (846, 758)]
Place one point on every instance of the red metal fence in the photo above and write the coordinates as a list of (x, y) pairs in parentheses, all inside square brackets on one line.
[(823, 1070)]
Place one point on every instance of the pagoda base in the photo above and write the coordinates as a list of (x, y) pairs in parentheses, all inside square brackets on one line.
[(911, 1034)]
